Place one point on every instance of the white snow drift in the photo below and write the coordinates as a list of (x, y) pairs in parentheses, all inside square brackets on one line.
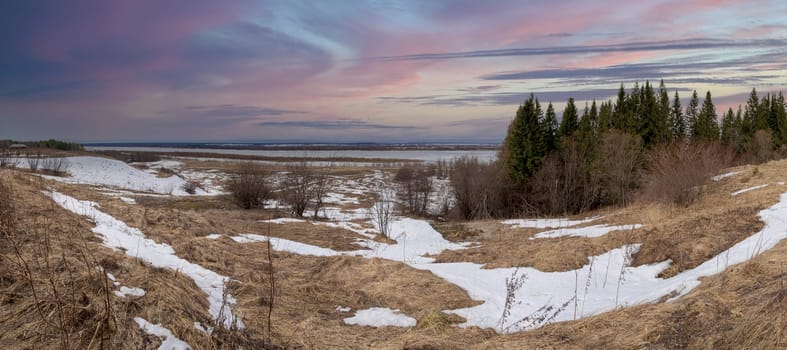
[(117, 235)]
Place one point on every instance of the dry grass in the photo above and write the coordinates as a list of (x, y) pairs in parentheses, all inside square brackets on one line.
[(743, 307)]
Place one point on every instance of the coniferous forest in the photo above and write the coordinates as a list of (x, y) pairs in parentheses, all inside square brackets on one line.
[(644, 143)]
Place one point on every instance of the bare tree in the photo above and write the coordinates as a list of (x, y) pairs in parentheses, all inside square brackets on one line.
[(320, 187), (250, 187), (416, 183), (33, 161), (296, 189), (55, 165), (382, 212)]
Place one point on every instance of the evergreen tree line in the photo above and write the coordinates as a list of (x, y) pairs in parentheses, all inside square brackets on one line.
[(600, 155)]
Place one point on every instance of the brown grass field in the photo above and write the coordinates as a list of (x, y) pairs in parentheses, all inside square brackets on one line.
[(53, 294)]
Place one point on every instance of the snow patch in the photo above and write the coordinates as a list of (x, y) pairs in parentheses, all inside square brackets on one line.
[(134, 292), (726, 175), (340, 308), (748, 189), (117, 235), (213, 236), (281, 220), (589, 231), (116, 174), (128, 200), (548, 223), (168, 340), (380, 317)]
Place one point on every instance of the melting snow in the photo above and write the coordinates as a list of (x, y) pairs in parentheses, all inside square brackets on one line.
[(128, 200), (117, 235), (117, 174), (168, 340), (548, 223), (748, 189), (380, 317), (726, 175), (605, 283), (281, 220), (134, 292), (589, 231)]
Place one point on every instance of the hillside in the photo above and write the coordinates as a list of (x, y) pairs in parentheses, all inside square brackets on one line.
[(120, 256)]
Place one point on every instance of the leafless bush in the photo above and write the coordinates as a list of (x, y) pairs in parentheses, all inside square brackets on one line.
[(320, 187), (382, 212), (250, 187), (558, 185), (678, 171), (303, 187), (415, 184), (480, 189), (760, 147), (191, 186), (55, 165), (295, 188), (620, 160)]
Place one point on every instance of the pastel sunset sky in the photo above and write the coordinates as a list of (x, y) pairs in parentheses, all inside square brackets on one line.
[(360, 71)]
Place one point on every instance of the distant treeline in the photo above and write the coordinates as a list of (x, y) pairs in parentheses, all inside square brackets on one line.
[(50, 144), (641, 143)]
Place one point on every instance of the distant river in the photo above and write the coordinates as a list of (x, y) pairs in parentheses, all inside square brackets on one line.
[(423, 155)]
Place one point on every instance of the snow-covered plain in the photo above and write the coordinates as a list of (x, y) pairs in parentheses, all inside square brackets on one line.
[(119, 236)]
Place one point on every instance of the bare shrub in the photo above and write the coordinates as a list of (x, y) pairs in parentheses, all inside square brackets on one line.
[(250, 187), (191, 186), (303, 187), (382, 212), (320, 187), (620, 160), (760, 148), (415, 184), (480, 189), (678, 171), (295, 188), (558, 185)]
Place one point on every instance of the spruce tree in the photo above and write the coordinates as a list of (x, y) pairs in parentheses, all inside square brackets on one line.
[(729, 132), (750, 114), (550, 129), (676, 122), (570, 122), (619, 113), (707, 127), (692, 112), (524, 144)]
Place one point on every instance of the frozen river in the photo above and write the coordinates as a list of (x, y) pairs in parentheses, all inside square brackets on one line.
[(422, 155)]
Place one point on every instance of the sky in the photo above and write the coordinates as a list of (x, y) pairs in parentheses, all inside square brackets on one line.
[(360, 71)]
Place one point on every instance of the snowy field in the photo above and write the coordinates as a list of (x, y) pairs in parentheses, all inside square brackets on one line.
[(606, 281)]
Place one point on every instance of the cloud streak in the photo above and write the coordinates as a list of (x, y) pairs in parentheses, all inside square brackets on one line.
[(332, 125), (686, 44)]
